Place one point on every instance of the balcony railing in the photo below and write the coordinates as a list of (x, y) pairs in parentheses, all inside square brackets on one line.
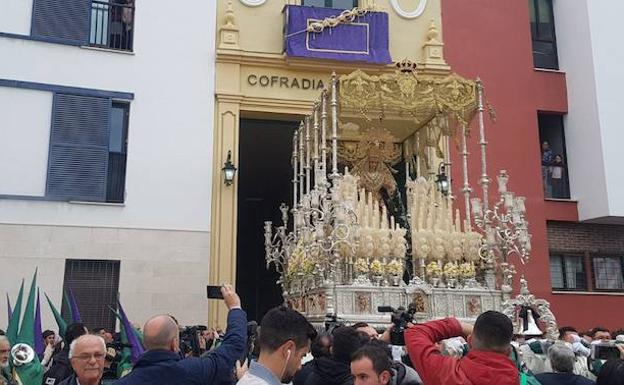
[(112, 24)]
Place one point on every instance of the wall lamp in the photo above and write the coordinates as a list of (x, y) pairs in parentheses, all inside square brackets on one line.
[(229, 170)]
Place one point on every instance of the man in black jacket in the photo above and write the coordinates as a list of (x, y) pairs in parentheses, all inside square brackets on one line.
[(61, 367), (336, 370), (320, 348), (162, 365)]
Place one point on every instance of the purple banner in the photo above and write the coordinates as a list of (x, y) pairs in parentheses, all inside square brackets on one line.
[(39, 343), (364, 40), (137, 348)]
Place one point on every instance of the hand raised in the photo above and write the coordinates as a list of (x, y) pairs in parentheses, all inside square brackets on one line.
[(231, 299)]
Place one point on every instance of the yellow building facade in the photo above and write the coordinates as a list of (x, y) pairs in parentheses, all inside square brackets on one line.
[(255, 79)]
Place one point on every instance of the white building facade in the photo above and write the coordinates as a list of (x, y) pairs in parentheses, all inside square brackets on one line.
[(589, 49), (106, 131)]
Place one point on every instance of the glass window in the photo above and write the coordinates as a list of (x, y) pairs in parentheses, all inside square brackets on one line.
[(543, 34), (567, 273), (554, 158), (608, 274), (340, 4), (117, 130), (116, 181), (556, 272)]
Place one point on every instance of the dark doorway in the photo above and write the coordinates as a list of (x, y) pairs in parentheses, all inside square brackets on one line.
[(265, 176)]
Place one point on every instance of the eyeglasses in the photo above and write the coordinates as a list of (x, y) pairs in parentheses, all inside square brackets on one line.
[(4, 351), (87, 357)]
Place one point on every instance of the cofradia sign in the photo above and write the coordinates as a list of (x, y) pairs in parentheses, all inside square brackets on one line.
[(275, 81)]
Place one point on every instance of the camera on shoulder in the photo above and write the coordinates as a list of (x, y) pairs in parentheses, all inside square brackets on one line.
[(400, 318)]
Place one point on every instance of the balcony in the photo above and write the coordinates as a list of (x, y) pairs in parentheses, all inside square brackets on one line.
[(112, 24)]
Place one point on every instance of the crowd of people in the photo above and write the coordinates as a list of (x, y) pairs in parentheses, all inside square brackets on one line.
[(286, 348)]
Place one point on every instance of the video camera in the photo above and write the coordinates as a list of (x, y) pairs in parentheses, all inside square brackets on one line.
[(607, 350), (332, 322), (400, 318), (189, 340)]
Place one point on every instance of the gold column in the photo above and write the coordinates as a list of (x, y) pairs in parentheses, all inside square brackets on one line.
[(224, 205)]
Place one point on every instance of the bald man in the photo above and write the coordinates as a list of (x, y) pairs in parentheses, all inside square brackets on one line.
[(161, 364)]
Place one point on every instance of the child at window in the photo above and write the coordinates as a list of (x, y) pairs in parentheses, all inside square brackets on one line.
[(556, 175)]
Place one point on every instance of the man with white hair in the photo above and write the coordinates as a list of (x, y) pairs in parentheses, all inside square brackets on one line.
[(562, 360), (5, 351), (86, 354)]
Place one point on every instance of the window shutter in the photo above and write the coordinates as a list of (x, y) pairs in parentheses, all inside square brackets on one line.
[(78, 159), (64, 20)]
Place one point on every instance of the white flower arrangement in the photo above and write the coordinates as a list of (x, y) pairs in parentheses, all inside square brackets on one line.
[(467, 270), (394, 267), (361, 266), (433, 269), (377, 267), (451, 270)]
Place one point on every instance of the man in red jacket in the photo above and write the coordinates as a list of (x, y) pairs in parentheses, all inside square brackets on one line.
[(487, 363)]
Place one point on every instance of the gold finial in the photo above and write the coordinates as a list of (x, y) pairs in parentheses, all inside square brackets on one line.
[(432, 32), (230, 20), (433, 51), (228, 32)]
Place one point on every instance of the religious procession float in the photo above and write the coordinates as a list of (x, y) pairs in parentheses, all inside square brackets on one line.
[(373, 219)]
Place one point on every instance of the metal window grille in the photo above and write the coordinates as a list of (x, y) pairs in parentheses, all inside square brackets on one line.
[(95, 284), (112, 24), (567, 273), (608, 273)]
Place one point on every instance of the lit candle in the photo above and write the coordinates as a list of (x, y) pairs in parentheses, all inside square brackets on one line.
[(392, 221), (509, 200), (502, 181), (375, 215), (520, 204), (476, 206), (407, 171), (384, 218)]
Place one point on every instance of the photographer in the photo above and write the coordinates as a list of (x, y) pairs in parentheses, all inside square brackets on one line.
[(192, 343), (603, 351), (487, 363), (161, 363)]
